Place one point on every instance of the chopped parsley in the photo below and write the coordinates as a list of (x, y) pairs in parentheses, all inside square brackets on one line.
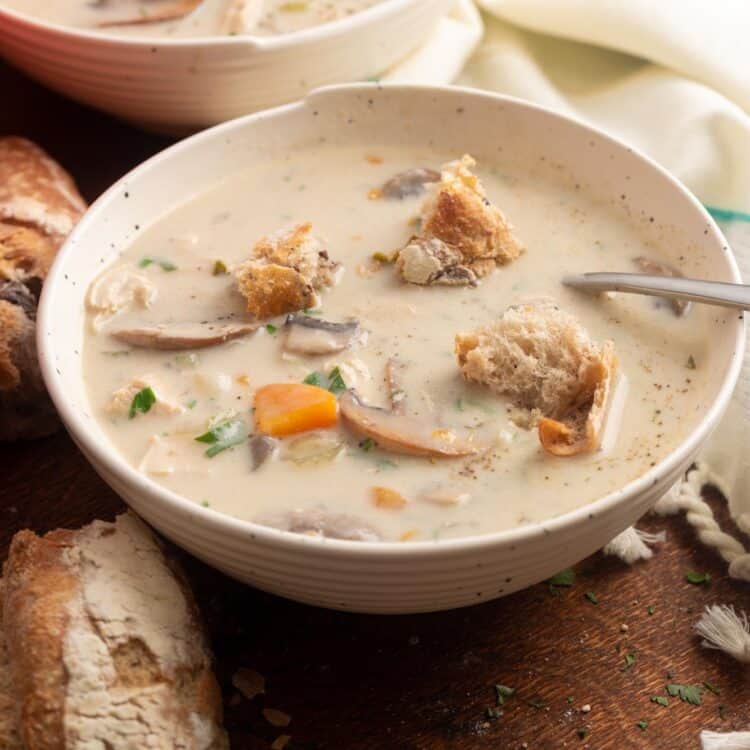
[(565, 577), (493, 713), (142, 402), (310, 311), (651, 610), (367, 444), (642, 725), (336, 382), (698, 579), (537, 703), (629, 661), (502, 692), (220, 268), (333, 382), (711, 688), (314, 378), (690, 363), (192, 403), (660, 700), (271, 328), (223, 435), (383, 464), (205, 503), (165, 265), (686, 693), (591, 596)]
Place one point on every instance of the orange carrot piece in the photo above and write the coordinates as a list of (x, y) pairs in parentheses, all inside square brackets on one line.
[(384, 497), (288, 408)]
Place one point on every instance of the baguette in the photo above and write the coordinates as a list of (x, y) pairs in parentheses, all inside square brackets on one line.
[(39, 206), (105, 645)]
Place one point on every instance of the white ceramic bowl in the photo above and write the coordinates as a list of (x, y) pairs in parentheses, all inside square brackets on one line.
[(182, 85), (377, 577)]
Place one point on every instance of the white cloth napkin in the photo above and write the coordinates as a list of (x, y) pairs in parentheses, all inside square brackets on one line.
[(671, 77)]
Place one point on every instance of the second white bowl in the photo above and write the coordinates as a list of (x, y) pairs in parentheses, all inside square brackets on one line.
[(182, 85)]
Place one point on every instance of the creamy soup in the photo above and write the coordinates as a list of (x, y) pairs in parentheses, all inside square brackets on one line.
[(191, 18), (333, 481)]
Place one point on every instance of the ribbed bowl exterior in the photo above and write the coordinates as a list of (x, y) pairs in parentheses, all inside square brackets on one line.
[(188, 86), (378, 577)]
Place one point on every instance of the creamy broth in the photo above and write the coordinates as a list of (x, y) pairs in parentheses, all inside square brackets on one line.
[(191, 19), (661, 392)]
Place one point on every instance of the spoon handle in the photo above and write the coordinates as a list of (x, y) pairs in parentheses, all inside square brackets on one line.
[(709, 292)]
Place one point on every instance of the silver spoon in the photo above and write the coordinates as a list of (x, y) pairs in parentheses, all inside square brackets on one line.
[(719, 293)]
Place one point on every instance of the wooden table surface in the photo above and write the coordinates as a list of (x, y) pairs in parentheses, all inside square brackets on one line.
[(354, 682)]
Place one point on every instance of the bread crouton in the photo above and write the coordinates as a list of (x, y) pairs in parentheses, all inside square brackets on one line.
[(285, 271), (544, 361), (458, 214)]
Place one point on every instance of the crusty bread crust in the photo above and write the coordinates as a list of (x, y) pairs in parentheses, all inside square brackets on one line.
[(39, 205), (105, 644), (545, 362), (284, 272), (474, 234), (10, 738)]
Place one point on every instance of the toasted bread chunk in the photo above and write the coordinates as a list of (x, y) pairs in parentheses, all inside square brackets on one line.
[(105, 644), (284, 273), (544, 361), (10, 736), (463, 236)]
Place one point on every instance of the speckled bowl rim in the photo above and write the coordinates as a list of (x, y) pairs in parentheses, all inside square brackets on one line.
[(321, 32), (106, 454)]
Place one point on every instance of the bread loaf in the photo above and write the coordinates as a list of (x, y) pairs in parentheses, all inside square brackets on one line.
[(105, 645), (39, 206)]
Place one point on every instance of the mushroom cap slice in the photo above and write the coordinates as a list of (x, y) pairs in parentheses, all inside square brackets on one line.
[(170, 12), (399, 433), (680, 307), (409, 183), (177, 336), (309, 335), (581, 431)]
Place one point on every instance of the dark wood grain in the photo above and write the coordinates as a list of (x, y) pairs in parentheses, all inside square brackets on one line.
[(421, 682)]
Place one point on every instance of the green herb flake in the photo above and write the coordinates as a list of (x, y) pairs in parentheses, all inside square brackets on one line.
[(537, 703), (582, 733), (165, 265), (565, 577), (223, 435), (385, 464), (192, 403), (690, 363), (493, 712), (384, 257), (629, 661), (310, 311), (591, 596), (686, 693), (367, 444), (205, 503), (314, 378), (651, 610), (570, 700), (660, 700), (271, 328), (142, 402), (698, 579), (642, 725), (220, 268), (711, 688), (336, 383), (502, 692)]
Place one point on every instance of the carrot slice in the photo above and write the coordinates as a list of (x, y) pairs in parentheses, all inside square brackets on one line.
[(288, 408)]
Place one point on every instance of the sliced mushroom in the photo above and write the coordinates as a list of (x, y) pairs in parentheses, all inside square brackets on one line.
[(172, 12), (306, 334), (681, 307), (582, 430), (176, 336), (262, 448), (430, 261), (410, 183), (401, 434), (394, 369), (316, 522)]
